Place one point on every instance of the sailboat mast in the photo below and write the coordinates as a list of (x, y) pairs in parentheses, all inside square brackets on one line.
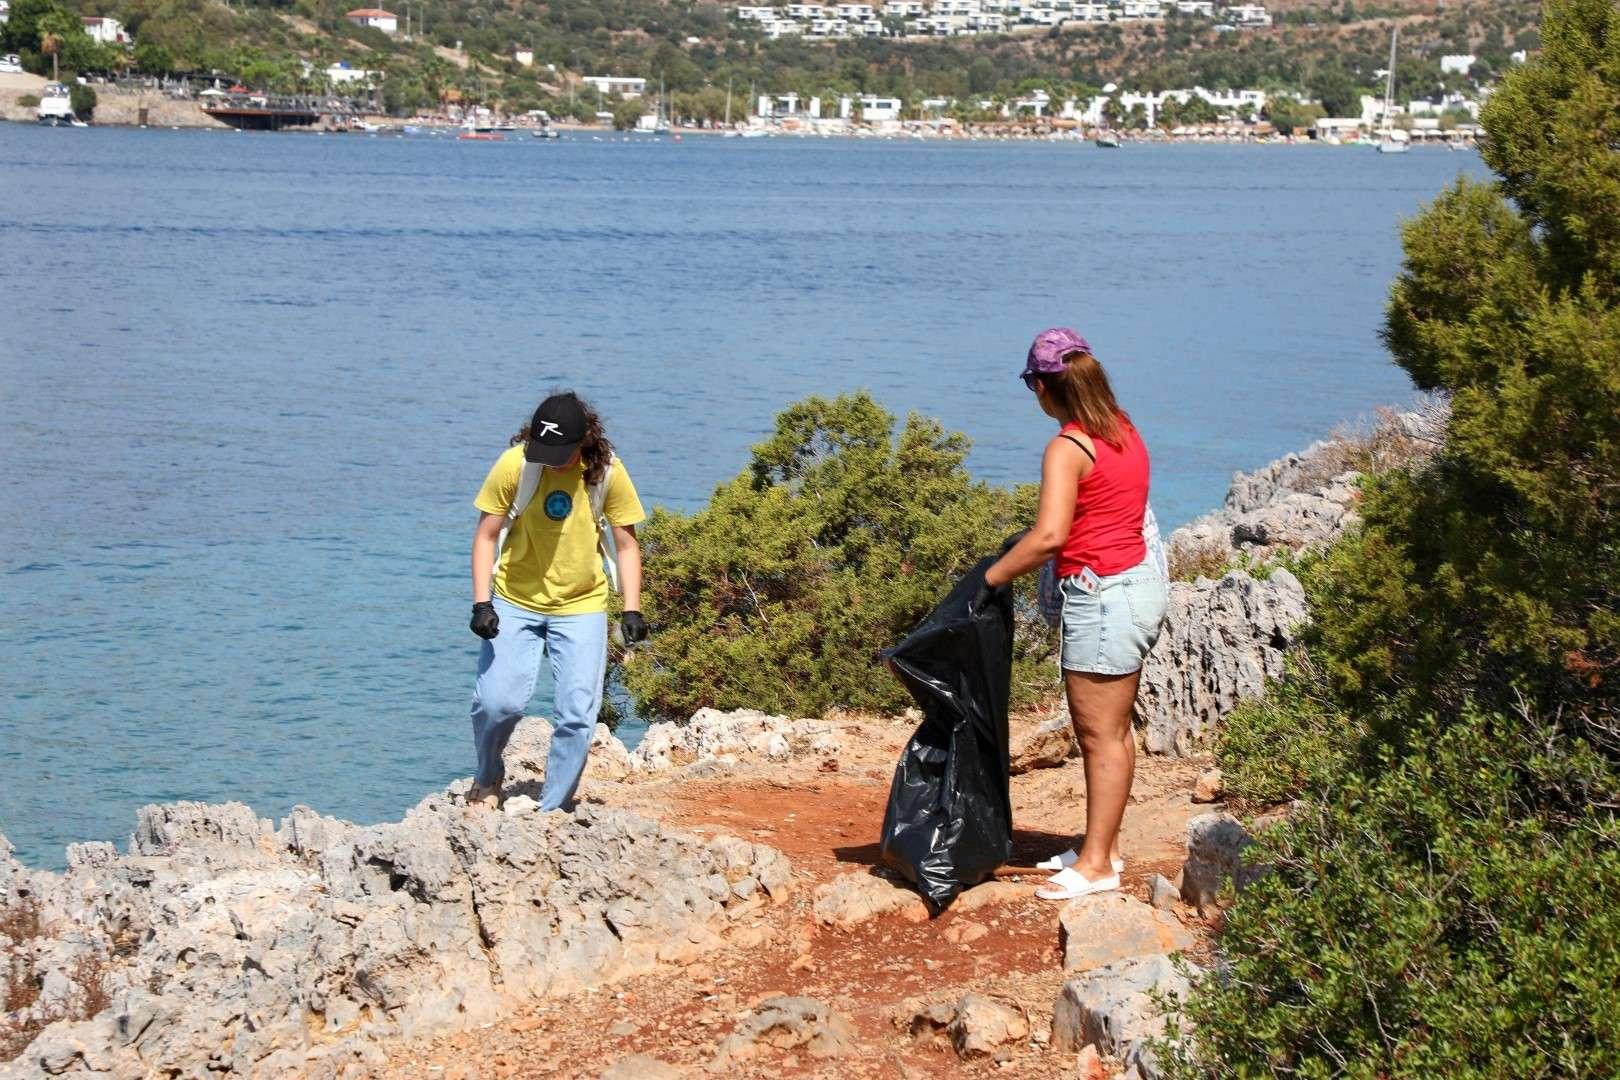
[(1389, 82)]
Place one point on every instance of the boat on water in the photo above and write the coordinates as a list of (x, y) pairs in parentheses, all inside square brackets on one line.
[(1391, 139), (56, 107), (481, 136), (1107, 142)]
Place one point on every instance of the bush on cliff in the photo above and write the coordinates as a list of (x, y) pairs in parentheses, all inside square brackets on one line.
[(1441, 901), (838, 538)]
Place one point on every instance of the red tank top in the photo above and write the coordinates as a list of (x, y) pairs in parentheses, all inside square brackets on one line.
[(1106, 534)]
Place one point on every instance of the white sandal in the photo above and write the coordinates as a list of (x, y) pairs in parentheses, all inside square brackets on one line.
[(1070, 883), (1069, 858)]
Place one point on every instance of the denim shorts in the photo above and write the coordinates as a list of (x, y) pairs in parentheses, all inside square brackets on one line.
[(1111, 631)]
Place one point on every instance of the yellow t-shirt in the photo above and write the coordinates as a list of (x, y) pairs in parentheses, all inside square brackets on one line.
[(551, 563)]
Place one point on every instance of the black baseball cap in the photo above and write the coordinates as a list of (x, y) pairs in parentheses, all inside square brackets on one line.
[(556, 431)]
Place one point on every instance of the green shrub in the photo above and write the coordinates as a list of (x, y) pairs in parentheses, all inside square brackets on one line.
[(834, 543), (83, 100), (1271, 748), (1442, 901), (28, 101), (1427, 921)]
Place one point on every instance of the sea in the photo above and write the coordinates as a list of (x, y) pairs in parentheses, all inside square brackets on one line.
[(250, 383)]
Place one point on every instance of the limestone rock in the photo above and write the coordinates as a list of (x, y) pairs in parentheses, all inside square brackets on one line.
[(1222, 640), (1046, 746), (641, 1067), (197, 828), (853, 898), (1105, 928), (526, 752), (711, 736), (982, 1025), (238, 949), (1215, 845), (786, 1023), (1111, 1008), (931, 1023), (1089, 1065), (1208, 787), (1162, 892)]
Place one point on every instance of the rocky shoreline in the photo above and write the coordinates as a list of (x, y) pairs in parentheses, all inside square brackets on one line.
[(221, 943)]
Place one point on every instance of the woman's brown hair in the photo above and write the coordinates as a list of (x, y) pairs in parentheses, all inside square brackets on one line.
[(594, 449), (1082, 393)]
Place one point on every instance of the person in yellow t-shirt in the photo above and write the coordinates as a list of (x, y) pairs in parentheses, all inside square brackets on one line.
[(546, 591)]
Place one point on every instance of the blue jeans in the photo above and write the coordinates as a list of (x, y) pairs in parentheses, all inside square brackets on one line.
[(509, 667)]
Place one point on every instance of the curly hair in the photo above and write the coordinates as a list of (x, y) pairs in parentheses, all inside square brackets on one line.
[(594, 449)]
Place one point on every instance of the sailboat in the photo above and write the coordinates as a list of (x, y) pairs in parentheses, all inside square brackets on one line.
[(1391, 139)]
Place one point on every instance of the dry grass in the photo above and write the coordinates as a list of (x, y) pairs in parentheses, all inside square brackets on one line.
[(1376, 445), (1189, 561), (21, 929)]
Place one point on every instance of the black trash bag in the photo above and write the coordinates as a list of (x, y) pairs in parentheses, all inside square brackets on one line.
[(949, 821)]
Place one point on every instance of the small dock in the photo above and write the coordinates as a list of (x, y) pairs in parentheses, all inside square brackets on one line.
[(272, 112)]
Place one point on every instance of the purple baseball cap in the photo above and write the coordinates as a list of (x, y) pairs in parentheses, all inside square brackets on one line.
[(1050, 347)]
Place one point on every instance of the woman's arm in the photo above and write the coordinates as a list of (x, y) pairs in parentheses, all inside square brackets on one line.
[(1062, 467), (629, 550), (487, 532)]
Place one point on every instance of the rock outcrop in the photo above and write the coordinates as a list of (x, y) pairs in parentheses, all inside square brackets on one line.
[(727, 737), (786, 1023), (1047, 745), (1113, 1009), (1215, 862), (1106, 928), (231, 947), (1221, 641)]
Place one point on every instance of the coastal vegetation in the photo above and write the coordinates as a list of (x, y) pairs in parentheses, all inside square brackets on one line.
[(463, 52), (837, 539), (1440, 897)]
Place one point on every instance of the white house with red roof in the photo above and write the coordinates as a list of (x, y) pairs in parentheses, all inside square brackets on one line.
[(105, 30), (386, 21)]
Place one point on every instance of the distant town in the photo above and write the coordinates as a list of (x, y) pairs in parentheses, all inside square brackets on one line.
[(963, 18), (352, 94)]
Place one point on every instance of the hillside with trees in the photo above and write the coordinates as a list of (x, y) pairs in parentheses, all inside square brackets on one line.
[(463, 51)]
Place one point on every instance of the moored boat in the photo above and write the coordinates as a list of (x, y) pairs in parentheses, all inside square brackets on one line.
[(55, 106)]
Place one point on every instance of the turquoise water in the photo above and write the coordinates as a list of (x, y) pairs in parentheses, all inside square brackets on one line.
[(249, 385)]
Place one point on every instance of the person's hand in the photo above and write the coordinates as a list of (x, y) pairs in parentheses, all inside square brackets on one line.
[(987, 595), (633, 626), (485, 623)]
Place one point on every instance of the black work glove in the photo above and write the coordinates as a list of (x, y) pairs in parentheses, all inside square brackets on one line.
[(989, 595), (633, 626), (485, 623)]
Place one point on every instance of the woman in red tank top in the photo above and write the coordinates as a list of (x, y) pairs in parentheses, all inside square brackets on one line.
[(1094, 488)]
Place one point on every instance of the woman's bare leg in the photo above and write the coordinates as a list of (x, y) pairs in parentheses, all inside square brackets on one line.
[(1101, 707)]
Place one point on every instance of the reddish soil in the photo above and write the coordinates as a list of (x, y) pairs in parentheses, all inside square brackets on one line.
[(825, 817)]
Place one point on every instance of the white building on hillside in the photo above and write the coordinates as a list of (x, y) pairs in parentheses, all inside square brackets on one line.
[(377, 18), (1249, 15), (625, 85), (105, 30), (341, 74), (1456, 63)]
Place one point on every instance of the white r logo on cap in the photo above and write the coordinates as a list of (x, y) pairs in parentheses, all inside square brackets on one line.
[(546, 428)]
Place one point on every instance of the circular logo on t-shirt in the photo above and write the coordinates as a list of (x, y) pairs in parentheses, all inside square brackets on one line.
[(558, 505)]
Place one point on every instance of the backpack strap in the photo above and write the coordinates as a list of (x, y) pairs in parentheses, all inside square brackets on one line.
[(1081, 445), (604, 528), (528, 484)]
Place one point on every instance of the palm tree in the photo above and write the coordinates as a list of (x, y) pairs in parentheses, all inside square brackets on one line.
[(50, 44)]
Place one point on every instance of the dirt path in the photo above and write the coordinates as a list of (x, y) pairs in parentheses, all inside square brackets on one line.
[(997, 940)]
